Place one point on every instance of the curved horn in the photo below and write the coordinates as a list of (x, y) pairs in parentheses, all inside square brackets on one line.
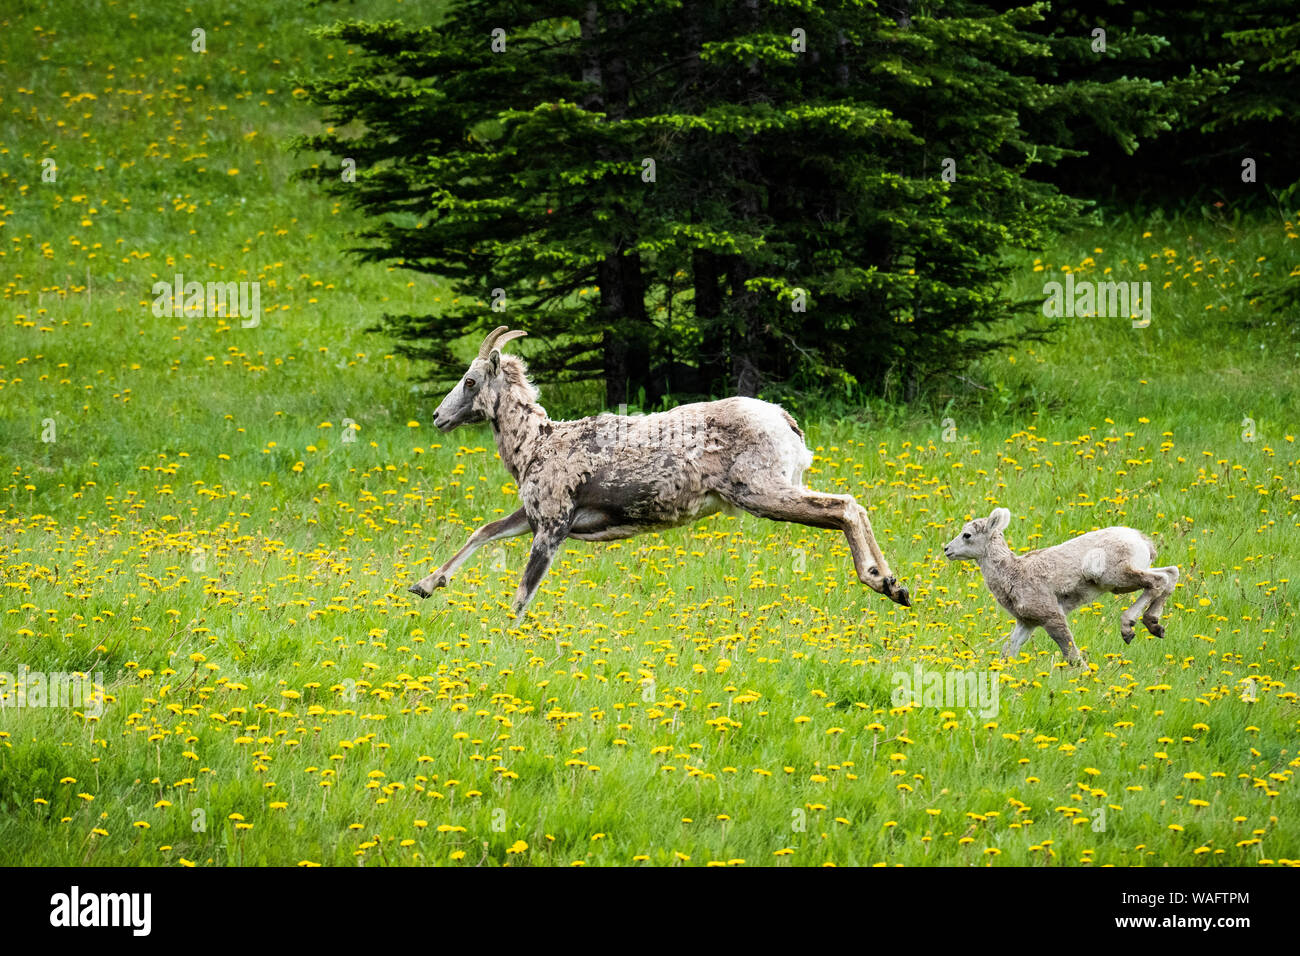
[(485, 349), (508, 337)]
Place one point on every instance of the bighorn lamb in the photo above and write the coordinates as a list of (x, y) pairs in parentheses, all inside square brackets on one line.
[(1040, 588), (614, 476)]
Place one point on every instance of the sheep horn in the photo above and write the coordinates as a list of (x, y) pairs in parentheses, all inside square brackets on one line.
[(485, 349), (508, 337)]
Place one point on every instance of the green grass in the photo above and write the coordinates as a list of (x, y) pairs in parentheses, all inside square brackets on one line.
[(236, 571)]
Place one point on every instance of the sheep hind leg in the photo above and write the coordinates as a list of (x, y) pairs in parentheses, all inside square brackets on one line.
[(835, 512), (893, 590), (1129, 618), (1151, 618), (1152, 584)]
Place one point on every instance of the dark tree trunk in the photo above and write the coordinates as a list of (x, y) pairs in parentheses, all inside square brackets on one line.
[(706, 272), (616, 81), (626, 344), (746, 358), (747, 361), (626, 339), (591, 73), (706, 266), (911, 384)]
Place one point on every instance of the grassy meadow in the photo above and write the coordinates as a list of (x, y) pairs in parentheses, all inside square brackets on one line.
[(183, 513)]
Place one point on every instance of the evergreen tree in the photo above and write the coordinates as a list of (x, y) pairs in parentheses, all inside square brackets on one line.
[(1242, 54), (696, 197)]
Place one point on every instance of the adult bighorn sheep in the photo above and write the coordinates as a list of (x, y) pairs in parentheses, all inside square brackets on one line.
[(614, 476), (1041, 587)]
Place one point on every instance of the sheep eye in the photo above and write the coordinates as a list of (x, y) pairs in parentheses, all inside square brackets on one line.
[(966, 536)]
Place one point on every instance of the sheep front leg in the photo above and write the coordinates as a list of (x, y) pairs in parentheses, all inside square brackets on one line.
[(546, 541), (507, 527), (1059, 630)]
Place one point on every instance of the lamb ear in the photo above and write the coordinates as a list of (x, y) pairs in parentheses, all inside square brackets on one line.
[(999, 520)]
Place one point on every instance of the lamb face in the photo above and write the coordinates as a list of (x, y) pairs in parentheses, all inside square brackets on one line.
[(973, 541)]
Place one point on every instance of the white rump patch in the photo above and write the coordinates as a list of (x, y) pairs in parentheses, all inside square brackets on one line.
[(1140, 554)]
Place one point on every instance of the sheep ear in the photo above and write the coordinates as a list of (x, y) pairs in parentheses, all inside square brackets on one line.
[(999, 520), (494, 360)]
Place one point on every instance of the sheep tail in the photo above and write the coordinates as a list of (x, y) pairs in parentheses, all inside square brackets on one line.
[(794, 426)]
